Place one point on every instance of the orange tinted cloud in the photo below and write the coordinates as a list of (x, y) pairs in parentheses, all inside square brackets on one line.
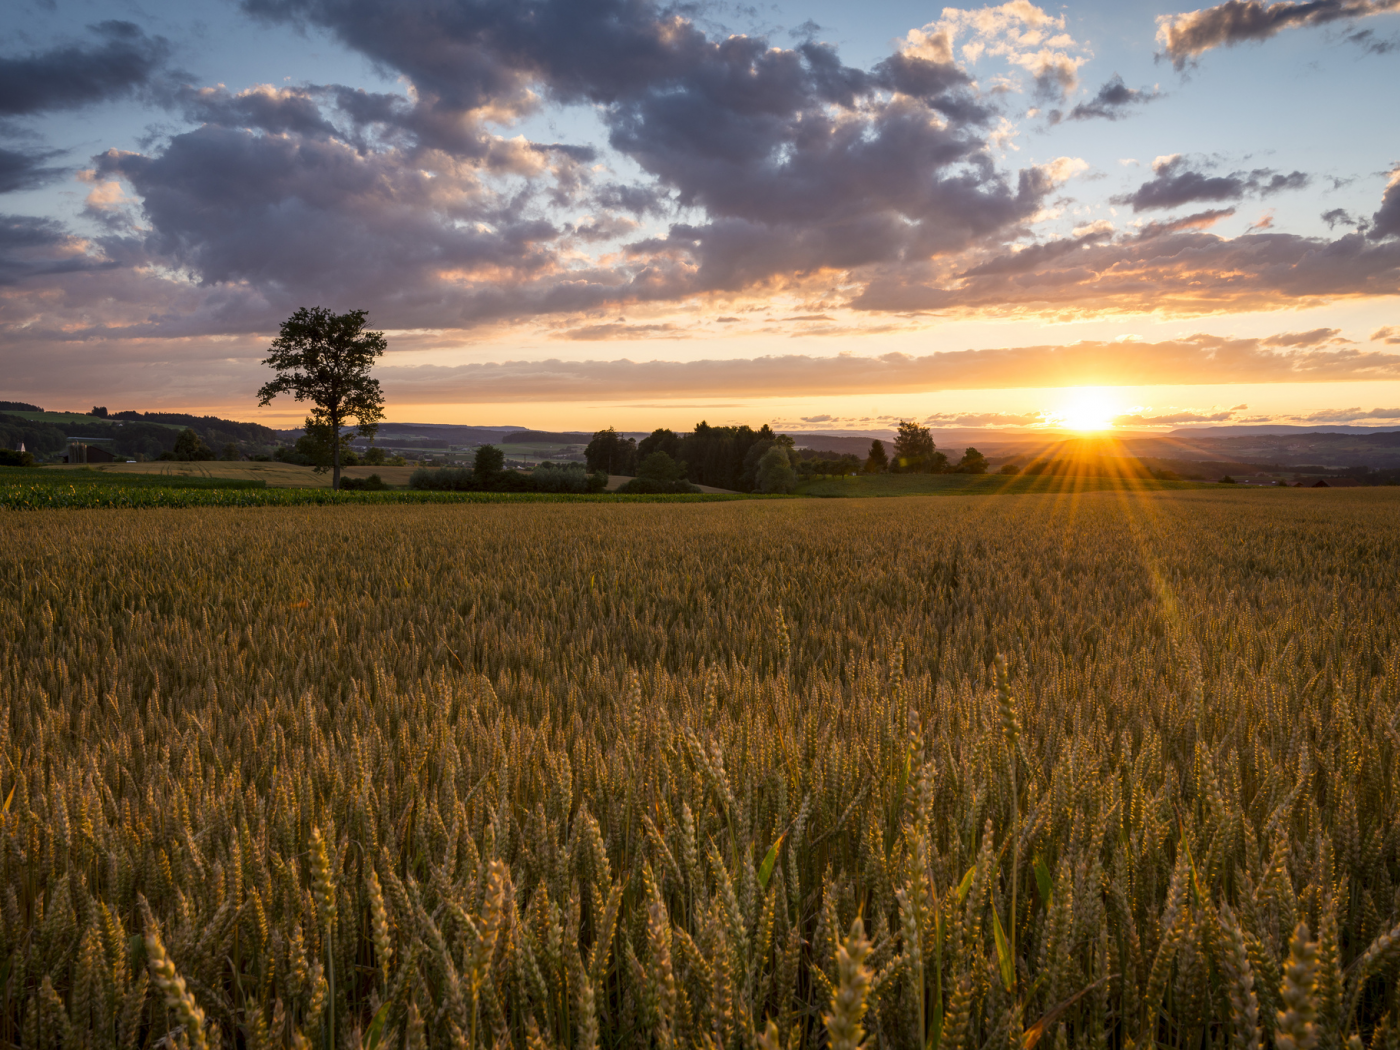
[(1196, 360)]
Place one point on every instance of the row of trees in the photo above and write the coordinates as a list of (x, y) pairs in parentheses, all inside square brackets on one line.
[(916, 453), (745, 459), (488, 473), (725, 457), (738, 458)]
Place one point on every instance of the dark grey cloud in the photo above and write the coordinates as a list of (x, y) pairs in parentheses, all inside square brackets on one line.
[(817, 163), (783, 162), (1185, 272), (30, 247), (1184, 37), (1112, 102), (315, 215), (1386, 221), (278, 111), (24, 170), (1335, 217), (75, 75), (1174, 184)]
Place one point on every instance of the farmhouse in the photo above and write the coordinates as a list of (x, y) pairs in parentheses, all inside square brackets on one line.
[(78, 452)]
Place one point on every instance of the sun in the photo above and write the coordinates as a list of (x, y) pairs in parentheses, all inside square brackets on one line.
[(1087, 408)]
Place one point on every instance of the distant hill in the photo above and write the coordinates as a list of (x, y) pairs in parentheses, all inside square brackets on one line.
[(1253, 429), (547, 437)]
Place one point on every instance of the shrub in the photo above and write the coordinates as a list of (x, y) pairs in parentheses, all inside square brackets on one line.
[(10, 458), (373, 483), (654, 487)]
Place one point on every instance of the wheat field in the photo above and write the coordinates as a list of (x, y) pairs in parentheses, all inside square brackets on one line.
[(1108, 770)]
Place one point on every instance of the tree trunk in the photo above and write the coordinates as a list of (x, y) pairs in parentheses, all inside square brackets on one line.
[(335, 452)]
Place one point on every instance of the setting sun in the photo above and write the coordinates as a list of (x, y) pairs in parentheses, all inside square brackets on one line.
[(1087, 408)]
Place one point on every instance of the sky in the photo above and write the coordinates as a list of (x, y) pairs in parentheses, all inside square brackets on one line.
[(570, 214)]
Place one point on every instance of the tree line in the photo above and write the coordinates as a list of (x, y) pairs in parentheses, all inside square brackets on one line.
[(748, 460)]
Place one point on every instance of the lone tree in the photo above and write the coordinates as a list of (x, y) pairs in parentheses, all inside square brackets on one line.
[(325, 358)]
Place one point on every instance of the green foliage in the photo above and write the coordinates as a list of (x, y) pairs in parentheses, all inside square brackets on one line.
[(39, 438), (43, 496), (374, 456), (487, 463), (372, 483), (189, 447), (914, 451), (775, 473), (325, 358), (659, 473), (877, 461), (611, 453), (658, 466), (547, 477), (10, 458), (972, 462), (1010, 469)]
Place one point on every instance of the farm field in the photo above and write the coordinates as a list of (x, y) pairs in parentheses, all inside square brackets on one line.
[(864, 485), (277, 475), (739, 774)]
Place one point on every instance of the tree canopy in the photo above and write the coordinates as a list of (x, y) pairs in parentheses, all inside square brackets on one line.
[(325, 358)]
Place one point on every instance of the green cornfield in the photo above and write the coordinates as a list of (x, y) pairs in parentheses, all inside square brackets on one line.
[(1103, 770)]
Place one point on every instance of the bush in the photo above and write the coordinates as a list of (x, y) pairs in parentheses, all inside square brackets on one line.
[(1009, 468), (547, 477), (190, 447), (655, 487), (10, 458), (373, 483), (444, 479), (567, 477), (775, 473)]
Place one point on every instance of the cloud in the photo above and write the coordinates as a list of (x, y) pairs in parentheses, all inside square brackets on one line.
[(1184, 37), (1367, 40), (1173, 184), (985, 419), (31, 247), (1185, 272), (72, 76), (613, 331), (1389, 334), (1195, 360), (1111, 103), (1201, 220), (1024, 35), (1348, 415), (1315, 337), (1386, 221), (1172, 418), (20, 170), (785, 164)]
